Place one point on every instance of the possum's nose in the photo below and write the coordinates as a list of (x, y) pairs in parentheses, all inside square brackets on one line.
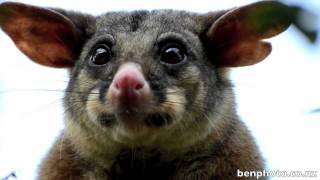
[(129, 89), (129, 81)]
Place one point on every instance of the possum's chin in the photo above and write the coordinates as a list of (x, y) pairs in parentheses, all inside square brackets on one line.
[(142, 130), (135, 136), (137, 123)]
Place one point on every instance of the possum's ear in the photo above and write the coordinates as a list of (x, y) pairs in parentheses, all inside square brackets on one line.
[(46, 36), (236, 35)]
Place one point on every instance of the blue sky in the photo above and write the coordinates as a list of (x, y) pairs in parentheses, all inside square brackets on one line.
[(274, 97)]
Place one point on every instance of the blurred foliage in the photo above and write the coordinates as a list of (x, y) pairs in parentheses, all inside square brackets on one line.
[(12, 175), (277, 16), (315, 111), (305, 21)]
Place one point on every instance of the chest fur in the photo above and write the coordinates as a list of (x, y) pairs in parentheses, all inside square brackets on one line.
[(138, 164)]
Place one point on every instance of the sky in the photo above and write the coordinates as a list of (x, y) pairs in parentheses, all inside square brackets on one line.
[(274, 97)]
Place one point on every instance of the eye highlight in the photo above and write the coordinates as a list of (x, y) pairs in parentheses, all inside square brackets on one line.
[(172, 54), (100, 55)]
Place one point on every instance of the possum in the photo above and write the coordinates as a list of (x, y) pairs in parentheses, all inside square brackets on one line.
[(149, 95)]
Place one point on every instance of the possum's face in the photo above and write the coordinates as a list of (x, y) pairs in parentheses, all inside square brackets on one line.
[(145, 78), (142, 76)]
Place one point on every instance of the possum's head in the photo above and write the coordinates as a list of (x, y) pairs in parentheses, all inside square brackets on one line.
[(141, 77)]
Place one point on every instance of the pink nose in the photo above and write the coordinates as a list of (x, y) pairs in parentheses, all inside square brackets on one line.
[(129, 80), (129, 89)]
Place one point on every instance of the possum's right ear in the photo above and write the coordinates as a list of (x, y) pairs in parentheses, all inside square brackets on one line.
[(46, 36)]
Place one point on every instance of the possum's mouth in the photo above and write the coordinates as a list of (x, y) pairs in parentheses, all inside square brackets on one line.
[(158, 120), (153, 120), (132, 118)]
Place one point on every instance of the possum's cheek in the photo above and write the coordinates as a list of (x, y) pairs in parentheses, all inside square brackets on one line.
[(173, 106), (99, 112)]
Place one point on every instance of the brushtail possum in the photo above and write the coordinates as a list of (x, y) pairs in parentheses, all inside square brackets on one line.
[(148, 95)]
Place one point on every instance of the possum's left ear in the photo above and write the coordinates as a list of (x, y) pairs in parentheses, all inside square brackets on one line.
[(236, 35), (46, 36)]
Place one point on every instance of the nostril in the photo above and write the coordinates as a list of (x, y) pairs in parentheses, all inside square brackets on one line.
[(117, 86), (139, 86)]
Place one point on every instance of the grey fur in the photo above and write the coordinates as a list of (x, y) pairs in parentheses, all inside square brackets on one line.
[(135, 37), (189, 130)]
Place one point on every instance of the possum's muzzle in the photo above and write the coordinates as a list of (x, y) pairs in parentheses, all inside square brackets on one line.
[(129, 93), (132, 101)]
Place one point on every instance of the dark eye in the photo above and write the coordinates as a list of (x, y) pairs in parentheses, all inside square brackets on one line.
[(172, 54), (100, 55)]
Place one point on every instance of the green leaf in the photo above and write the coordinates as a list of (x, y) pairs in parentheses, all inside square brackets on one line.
[(302, 24), (271, 15)]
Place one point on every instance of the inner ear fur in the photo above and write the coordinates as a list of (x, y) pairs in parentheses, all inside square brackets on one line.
[(46, 36), (237, 35)]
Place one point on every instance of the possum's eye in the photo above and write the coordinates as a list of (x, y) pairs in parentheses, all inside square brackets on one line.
[(172, 54), (100, 55)]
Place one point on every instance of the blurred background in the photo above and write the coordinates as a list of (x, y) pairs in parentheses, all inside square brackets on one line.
[(279, 98)]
